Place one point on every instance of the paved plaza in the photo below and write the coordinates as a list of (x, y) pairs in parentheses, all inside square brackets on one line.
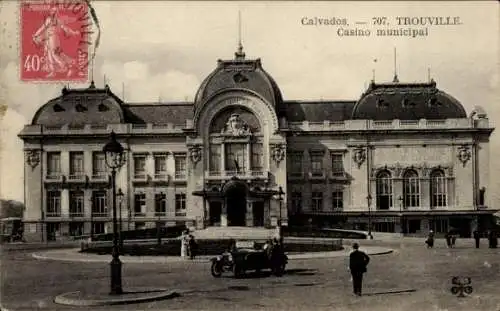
[(410, 278)]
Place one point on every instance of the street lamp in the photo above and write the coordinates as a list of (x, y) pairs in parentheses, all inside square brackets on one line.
[(120, 196), (280, 198), (401, 220), (369, 201), (114, 156), (159, 212)]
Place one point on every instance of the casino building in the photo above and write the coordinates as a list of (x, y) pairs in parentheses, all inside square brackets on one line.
[(404, 157)]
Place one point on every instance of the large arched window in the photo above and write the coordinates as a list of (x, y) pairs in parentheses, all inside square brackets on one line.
[(438, 189), (384, 190), (411, 189), (236, 143)]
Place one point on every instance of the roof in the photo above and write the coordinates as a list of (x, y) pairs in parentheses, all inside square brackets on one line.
[(318, 111), (159, 113), (239, 74), (77, 107), (407, 101)]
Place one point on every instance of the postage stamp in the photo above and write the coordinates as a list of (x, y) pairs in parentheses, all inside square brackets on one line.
[(54, 40)]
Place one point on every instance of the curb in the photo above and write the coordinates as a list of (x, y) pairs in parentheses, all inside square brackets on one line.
[(158, 294), (172, 259)]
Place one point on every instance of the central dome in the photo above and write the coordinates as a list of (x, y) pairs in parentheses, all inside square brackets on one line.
[(240, 75)]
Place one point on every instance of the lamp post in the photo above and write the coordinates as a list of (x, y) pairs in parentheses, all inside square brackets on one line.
[(280, 198), (369, 201), (159, 211), (91, 218), (114, 156), (120, 196), (401, 220)]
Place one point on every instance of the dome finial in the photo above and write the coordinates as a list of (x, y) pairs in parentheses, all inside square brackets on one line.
[(239, 55)]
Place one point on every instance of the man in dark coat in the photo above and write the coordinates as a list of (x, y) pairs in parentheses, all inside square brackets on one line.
[(358, 261), (477, 237)]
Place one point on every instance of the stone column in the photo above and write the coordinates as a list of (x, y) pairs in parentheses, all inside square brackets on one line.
[(249, 214), (223, 215)]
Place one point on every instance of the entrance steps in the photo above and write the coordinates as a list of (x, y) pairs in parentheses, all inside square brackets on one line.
[(237, 233)]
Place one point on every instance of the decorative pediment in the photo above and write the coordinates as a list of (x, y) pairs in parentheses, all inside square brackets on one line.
[(195, 153), (33, 158), (359, 156), (235, 126), (278, 152), (464, 154)]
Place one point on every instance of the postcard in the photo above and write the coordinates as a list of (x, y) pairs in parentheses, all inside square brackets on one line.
[(250, 155)]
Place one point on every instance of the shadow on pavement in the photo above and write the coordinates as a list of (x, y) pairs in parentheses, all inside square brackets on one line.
[(301, 271), (391, 292)]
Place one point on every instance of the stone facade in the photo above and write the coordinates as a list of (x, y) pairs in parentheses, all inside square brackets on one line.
[(223, 159)]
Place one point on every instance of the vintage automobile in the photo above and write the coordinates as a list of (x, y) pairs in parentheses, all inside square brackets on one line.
[(242, 259)]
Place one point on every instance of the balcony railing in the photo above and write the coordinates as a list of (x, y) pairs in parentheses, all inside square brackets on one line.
[(161, 176), (99, 175), (140, 214), (100, 214), (75, 214), (53, 214), (316, 174), (53, 176), (180, 175), (76, 176), (160, 214), (180, 213), (243, 174)]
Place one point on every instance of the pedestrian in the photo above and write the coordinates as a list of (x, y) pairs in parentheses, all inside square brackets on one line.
[(492, 237), (477, 237), (192, 247), (448, 239), (358, 262), (430, 239), (453, 239)]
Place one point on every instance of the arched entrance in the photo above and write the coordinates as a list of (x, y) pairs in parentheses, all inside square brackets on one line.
[(235, 194)]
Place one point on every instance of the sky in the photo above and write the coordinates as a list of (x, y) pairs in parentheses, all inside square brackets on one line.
[(162, 50)]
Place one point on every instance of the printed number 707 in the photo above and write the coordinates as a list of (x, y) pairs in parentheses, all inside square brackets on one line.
[(379, 20)]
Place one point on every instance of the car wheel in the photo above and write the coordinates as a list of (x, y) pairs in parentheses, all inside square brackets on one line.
[(216, 270), (238, 271)]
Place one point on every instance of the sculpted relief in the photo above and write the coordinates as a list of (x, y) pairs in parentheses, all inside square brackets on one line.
[(235, 126)]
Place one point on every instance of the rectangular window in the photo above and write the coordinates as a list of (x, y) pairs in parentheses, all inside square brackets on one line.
[(139, 166), (54, 204), (160, 167), (53, 165), (180, 167), (297, 202), (215, 158), (98, 165), (98, 228), (337, 164), (160, 204), (317, 201), (296, 163), (76, 228), (99, 204), (140, 204), (76, 168), (337, 200), (180, 204), (257, 155), (235, 157), (317, 164), (76, 203)]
